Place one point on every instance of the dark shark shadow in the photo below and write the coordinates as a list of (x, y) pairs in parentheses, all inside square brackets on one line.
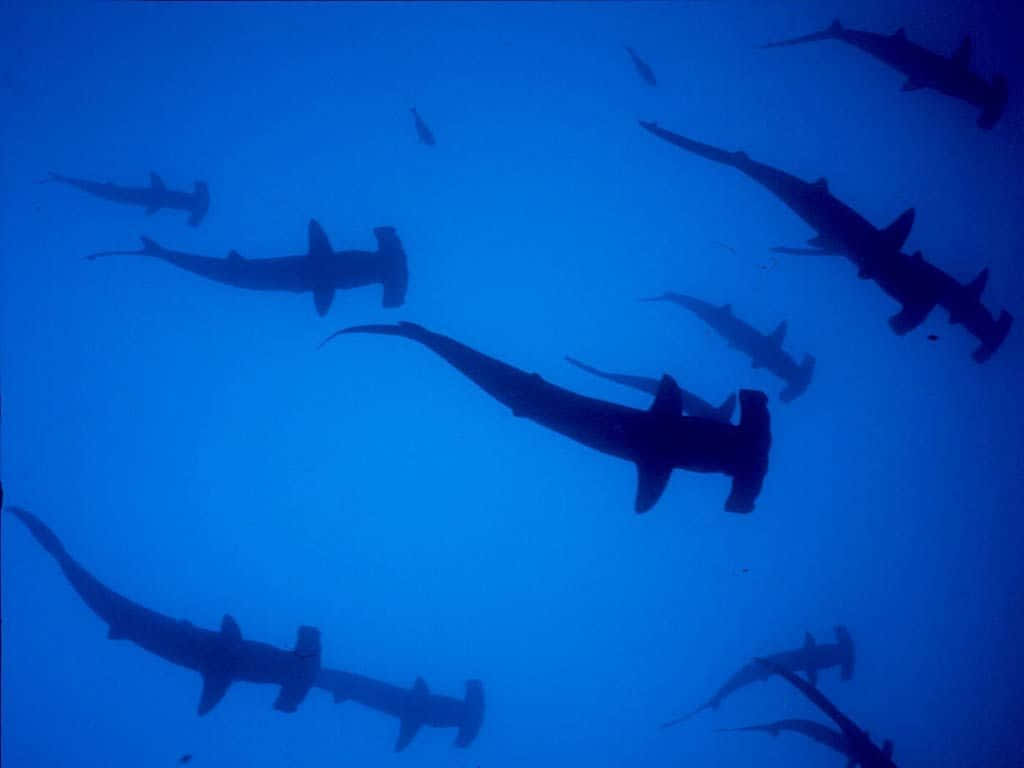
[(810, 659), (642, 67), (764, 349), (693, 405), (822, 734), (950, 75), (656, 441), (320, 271), (862, 751), (223, 657), (153, 198), (426, 136)]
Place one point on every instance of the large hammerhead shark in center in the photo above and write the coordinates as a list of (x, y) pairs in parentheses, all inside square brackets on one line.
[(862, 751), (950, 75), (320, 270), (223, 657), (764, 350), (152, 198), (657, 440), (810, 659)]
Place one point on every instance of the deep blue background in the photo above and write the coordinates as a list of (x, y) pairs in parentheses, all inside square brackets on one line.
[(192, 447)]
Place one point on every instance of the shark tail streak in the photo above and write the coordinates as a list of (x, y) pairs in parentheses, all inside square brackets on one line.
[(149, 248), (826, 34), (395, 267), (201, 203), (689, 715), (799, 384), (755, 432), (41, 532)]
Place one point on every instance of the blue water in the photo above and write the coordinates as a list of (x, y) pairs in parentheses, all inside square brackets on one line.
[(195, 450)]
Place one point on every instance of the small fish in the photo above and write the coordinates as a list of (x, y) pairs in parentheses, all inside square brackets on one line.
[(932, 337), (186, 758), (425, 134)]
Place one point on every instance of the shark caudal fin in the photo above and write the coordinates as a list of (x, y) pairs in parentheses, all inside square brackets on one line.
[(756, 438), (798, 385), (652, 477), (845, 643), (200, 203), (995, 339), (307, 650), (394, 267), (710, 704), (319, 254), (996, 104), (472, 713), (833, 30), (40, 531)]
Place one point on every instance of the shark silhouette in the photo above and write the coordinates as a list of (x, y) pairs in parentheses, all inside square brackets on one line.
[(642, 67), (152, 198), (810, 659), (656, 441), (692, 404), (425, 134), (822, 734), (913, 282), (320, 270), (862, 751), (923, 68), (223, 657), (764, 350)]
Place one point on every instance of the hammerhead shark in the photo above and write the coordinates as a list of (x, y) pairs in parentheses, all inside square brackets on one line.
[(862, 751), (764, 350), (692, 404), (840, 229), (810, 659), (657, 440), (425, 134), (152, 198), (642, 67), (923, 68), (822, 734), (320, 270), (223, 657), (915, 284)]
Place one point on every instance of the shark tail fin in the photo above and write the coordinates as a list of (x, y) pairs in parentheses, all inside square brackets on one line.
[(845, 643), (994, 340), (756, 436), (149, 248), (725, 410), (829, 32), (712, 704), (294, 690), (394, 267), (472, 713), (800, 382), (200, 203), (40, 531)]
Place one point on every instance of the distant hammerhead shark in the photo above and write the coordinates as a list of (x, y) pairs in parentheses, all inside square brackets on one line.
[(425, 134), (840, 229), (950, 75), (692, 404), (657, 440), (810, 659), (320, 270), (152, 198), (223, 657), (642, 67), (764, 350), (822, 734), (862, 751)]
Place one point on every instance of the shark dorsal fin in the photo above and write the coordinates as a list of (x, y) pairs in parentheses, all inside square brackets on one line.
[(962, 55), (651, 481), (727, 308), (779, 334), (229, 628), (668, 401), (156, 182), (410, 721), (234, 255), (214, 688), (821, 183), (835, 26), (977, 285), (420, 687), (895, 235), (900, 34), (809, 640), (319, 245)]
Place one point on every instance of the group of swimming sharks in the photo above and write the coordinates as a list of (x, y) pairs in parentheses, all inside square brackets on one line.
[(680, 430)]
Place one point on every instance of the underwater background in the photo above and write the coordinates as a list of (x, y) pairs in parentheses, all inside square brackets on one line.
[(194, 449)]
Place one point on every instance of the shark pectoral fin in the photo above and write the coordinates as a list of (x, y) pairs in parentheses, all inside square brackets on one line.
[(214, 688), (156, 182), (651, 481), (294, 690), (908, 318), (910, 84), (322, 298), (410, 722), (407, 730)]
